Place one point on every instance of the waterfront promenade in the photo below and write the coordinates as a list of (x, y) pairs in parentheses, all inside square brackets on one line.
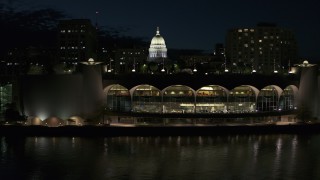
[(172, 130)]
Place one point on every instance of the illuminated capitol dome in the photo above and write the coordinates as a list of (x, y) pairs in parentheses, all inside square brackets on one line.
[(157, 48)]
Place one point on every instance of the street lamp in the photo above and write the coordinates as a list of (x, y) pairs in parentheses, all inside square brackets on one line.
[(195, 70), (225, 63), (274, 66), (194, 66), (163, 70), (134, 65), (110, 70)]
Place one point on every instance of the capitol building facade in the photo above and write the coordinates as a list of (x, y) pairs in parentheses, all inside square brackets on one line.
[(158, 49)]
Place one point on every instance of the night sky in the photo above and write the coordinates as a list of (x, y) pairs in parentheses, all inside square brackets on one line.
[(197, 24)]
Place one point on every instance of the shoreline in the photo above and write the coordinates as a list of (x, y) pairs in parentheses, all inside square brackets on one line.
[(185, 130)]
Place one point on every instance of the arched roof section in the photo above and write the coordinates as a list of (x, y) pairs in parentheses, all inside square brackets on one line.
[(114, 87), (246, 87), (293, 88), (75, 120), (213, 88), (34, 121), (146, 87), (272, 87), (53, 122), (178, 88)]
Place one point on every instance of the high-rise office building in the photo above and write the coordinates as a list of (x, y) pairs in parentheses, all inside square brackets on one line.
[(265, 48), (77, 40)]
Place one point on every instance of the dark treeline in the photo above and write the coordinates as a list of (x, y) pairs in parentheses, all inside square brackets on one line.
[(25, 28), (22, 28)]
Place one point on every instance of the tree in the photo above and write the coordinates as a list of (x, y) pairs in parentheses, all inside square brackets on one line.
[(24, 28), (153, 66), (304, 113), (11, 114)]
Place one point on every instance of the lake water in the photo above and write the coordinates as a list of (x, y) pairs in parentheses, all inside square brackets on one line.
[(217, 157)]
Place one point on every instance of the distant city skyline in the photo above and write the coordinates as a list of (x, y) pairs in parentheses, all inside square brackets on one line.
[(196, 24)]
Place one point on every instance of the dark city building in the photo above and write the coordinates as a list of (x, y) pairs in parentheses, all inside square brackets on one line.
[(77, 40), (128, 60), (265, 48)]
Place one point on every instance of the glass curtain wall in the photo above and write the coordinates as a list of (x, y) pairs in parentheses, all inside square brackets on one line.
[(242, 99), (288, 98), (146, 99), (118, 98), (178, 99), (5, 97), (211, 99), (268, 98)]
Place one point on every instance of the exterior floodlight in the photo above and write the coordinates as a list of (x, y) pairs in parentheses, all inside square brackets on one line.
[(133, 70), (195, 70), (91, 62), (226, 70), (254, 71), (162, 70)]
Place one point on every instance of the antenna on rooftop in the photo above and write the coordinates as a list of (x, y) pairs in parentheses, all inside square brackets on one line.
[(97, 12)]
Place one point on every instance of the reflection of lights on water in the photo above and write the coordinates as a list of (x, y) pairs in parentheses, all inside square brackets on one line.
[(255, 150), (200, 140), (3, 145)]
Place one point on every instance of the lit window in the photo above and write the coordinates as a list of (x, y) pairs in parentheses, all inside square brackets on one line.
[(260, 40), (245, 30), (246, 45), (251, 30), (239, 30)]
